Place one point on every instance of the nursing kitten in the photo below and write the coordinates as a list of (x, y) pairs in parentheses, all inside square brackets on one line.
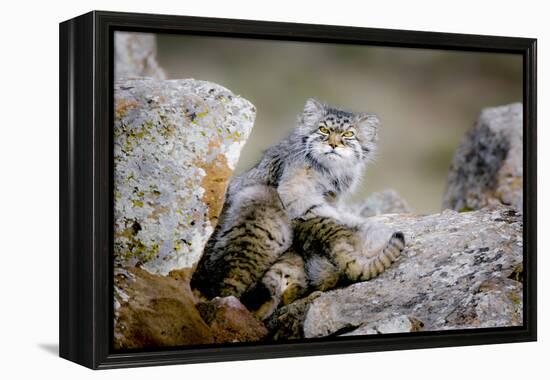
[(253, 231), (284, 229)]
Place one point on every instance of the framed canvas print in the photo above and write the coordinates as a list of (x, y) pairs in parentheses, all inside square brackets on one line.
[(237, 189)]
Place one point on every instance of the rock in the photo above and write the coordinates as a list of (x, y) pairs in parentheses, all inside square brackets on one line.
[(230, 321), (155, 311), (458, 270), (136, 56), (161, 311), (398, 324), (497, 304), (487, 167), (176, 143), (384, 202), (286, 322)]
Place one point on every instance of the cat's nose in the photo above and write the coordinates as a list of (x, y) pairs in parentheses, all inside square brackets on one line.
[(333, 141)]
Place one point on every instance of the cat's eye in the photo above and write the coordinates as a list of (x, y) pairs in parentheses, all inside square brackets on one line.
[(324, 130), (348, 134)]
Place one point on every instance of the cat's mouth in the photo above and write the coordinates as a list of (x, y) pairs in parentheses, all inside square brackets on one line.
[(332, 152)]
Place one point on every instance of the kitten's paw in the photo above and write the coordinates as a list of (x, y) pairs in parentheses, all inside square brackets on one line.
[(292, 293), (265, 310)]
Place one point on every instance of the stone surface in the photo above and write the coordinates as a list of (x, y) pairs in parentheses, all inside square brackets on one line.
[(162, 311), (230, 321), (384, 202), (487, 167), (394, 324), (459, 270), (286, 322), (155, 311), (176, 143), (136, 56)]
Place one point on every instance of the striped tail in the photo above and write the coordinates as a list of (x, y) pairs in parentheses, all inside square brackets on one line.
[(385, 258)]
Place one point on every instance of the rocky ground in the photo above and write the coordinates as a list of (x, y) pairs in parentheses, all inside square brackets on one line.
[(459, 270)]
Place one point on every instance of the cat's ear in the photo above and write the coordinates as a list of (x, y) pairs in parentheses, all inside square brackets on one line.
[(313, 111), (368, 123)]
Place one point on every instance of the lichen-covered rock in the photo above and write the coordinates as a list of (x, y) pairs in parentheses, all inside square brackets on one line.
[(487, 167), (384, 202), (176, 143), (230, 321), (136, 56), (458, 270)]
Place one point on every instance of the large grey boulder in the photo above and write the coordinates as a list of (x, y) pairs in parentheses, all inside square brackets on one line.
[(136, 56), (176, 143), (459, 270), (487, 167)]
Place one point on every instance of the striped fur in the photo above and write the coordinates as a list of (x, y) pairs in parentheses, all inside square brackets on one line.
[(254, 234), (335, 253)]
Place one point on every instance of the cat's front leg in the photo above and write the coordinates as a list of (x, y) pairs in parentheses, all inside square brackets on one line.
[(300, 194), (302, 197)]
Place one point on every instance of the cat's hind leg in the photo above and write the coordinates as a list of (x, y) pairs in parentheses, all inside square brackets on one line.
[(356, 256)]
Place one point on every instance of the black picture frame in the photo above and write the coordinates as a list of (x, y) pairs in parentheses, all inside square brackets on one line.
[(86, 180)]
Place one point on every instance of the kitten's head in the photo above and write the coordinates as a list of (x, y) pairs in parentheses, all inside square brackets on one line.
[(335, 137)]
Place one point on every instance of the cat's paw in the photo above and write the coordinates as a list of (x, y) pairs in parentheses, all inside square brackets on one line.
[(266, 310)]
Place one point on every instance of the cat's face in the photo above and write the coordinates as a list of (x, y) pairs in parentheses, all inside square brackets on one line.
[(335, 137)]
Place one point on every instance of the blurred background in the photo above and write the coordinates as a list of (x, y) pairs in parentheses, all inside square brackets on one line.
[(426, 99)]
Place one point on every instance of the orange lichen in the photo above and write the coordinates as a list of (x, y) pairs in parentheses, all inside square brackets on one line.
[(122, 107), (215, 182)]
